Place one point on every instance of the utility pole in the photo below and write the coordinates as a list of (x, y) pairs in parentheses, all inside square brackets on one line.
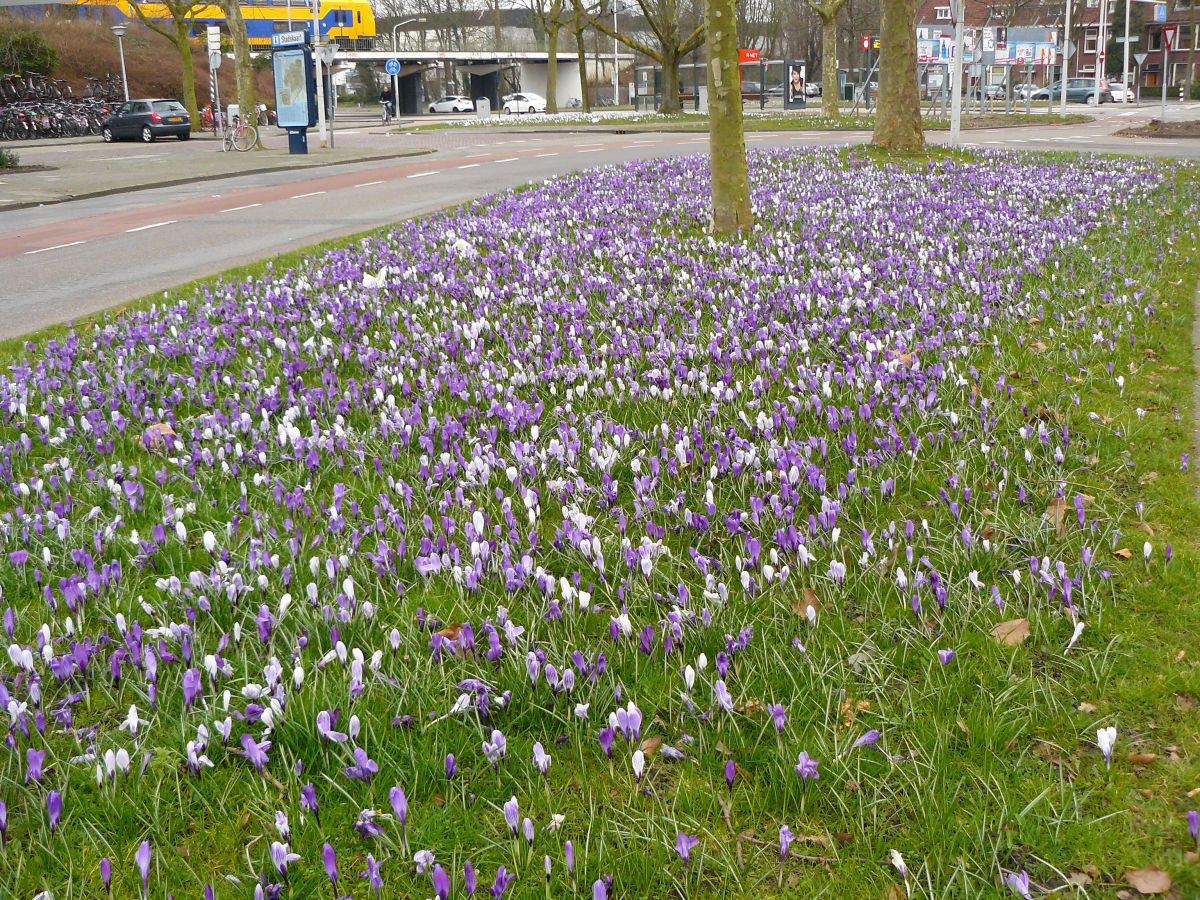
[(1066, 48), (1101, 45), (956, 73), (616, 84), (1125, 60), (316, 41)]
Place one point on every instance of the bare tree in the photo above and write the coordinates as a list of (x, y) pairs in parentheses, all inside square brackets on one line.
[(898, 118), (664, 18), (730, 183), (182, 15), (827, 11), (243, 65)]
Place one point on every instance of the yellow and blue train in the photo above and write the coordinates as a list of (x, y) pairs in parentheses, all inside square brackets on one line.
[(348, 23)]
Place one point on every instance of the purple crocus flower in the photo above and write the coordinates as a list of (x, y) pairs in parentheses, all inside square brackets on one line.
[(329, 860), (684, 845), (3, 824), (569, 857), (470, 879), (785, 841), (142, 858), (512, 815), (424, 860), (370, 875), (500, 885), (541, 759), (1193, 822), (399, 804), (451, 766), (54, 807), (806, 766), (281, 856), (254, 752), (191, 687), (867, 739), (308, 800), (779, 715), (1018, 882), (366, 824), (106, 875), (944, 656), (33, 765), (527, 829), (730, 772), (599, 890), (364, 768), (441, 883), (606, 741)]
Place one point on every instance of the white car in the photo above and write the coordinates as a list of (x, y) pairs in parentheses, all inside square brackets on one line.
[(452, 103), (524, 103), (1120, 93)]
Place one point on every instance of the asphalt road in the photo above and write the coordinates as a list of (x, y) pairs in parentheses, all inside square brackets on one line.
[(66, 260)]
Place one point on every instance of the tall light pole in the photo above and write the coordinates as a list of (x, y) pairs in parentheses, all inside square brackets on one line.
[(1125, 60), (956, 72), (1066, 49), (316, 42), (1101, 46), (119, 31), (616, 86), (397, 27)]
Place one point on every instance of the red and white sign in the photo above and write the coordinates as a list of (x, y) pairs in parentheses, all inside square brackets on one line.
[(1169, 32), (749, 56)]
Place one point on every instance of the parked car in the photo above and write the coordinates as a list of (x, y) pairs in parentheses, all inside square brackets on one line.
[(994, 92), (751, 87), (148, 120), (812, 89), (1120, 93), (1021, 91), (524, 102), (1079, 90), (452, 103)]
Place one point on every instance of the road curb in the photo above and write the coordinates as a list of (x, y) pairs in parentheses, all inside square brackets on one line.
[(218, 176)]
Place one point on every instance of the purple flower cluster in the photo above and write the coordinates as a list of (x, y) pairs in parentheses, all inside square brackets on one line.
[(566, 410)]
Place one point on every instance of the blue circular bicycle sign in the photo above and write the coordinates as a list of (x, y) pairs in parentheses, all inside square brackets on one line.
[(393, 67)]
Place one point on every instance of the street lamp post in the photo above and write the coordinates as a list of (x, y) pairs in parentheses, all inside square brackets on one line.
[(119, 31), (616, 86), (397, 27)]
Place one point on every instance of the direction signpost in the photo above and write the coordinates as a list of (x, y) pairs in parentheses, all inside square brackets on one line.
[(213, 36), (392, 67), (1138, 59)]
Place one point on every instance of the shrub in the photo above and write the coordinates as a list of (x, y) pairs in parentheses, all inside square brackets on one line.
[(9, 158), (22, 50)]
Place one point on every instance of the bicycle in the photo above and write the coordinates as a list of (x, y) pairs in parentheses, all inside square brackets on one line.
[(239, 136)]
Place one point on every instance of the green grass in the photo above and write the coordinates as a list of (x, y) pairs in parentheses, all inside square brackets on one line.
[(998, 767)]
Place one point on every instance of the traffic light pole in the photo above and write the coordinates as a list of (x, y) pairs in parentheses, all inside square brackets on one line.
[(956, 73)]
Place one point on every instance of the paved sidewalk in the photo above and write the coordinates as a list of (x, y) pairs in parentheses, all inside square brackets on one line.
[(87, 167)]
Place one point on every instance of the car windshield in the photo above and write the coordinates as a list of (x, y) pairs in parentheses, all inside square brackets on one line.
[(173, 107)]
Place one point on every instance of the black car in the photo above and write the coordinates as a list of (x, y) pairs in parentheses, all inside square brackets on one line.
[(147, 120)]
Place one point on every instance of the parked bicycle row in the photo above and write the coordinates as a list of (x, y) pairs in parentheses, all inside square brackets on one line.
[(52, 119), (31, 87)]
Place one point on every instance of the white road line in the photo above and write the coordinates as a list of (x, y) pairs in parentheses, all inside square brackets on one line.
[(540, 155), (509, 159), (55, 247), (349, 132), (302, 196), (147, 227), (368, 183), (590, 150), (423, 174), (470, 166), (130, 156), (236, 208)]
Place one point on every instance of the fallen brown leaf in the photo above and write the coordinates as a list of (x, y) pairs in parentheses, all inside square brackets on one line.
[(1056, 512), (1123, 553), (1086, 707), (843, 837), (1149, 881), (808, 597), (1012, 632), (651, 744), (1142, 759)]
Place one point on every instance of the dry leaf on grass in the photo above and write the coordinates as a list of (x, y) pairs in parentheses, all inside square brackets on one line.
[(651, 744), (1149, 881), (1142, 759), (1056, 512), (808, 597), (1123, 553), (1012, 632)]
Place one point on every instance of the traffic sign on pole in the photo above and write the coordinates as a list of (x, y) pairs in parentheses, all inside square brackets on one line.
[(214, 61), (214, 39), (392, 66), (1140, 58)]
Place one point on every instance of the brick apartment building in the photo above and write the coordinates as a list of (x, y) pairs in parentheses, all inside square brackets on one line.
[(935, 15)]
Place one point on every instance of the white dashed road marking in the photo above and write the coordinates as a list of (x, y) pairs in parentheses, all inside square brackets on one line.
[(148, 227)]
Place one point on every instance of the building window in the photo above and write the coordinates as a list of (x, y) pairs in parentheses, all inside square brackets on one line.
[(1092, 4), (1156, 39), (942, 13), (1089, 43)]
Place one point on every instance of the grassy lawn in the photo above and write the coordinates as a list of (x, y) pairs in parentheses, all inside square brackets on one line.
[(943, 400)]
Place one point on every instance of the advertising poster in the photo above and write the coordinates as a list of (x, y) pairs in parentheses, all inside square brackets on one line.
[(793, 90), (293, 88)]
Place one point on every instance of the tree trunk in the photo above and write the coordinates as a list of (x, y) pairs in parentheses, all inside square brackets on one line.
[(727, 144), (585, 98), (184, 46), (552, 27), (669, 105), (242, 63), (829, 68), (898, 117)]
